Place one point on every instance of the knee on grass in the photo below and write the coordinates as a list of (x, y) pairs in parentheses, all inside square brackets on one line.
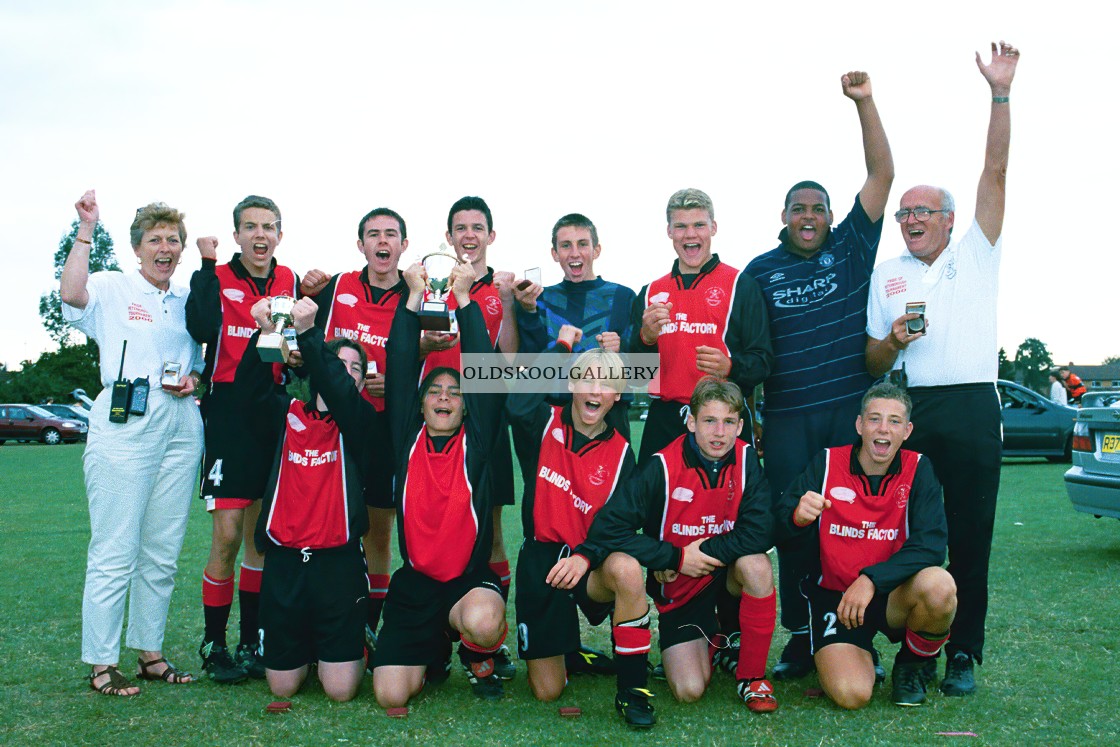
[(546, 689), (340, 680), (340, 690), (849, 694), (391, 692), (688, 690), (284, 684)]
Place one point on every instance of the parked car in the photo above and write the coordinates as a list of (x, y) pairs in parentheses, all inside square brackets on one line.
[(69, 412), (31, 423), (1033, 426), (1093, 482)]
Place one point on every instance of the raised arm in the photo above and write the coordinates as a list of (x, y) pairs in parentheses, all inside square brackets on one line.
[(204, 308), (331, 380), (262, 401), (402, 378), (75, 273), (876, 149), (485, 409), (991, 193)]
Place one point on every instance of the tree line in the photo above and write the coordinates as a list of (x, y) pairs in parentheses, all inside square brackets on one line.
[(75, 364)]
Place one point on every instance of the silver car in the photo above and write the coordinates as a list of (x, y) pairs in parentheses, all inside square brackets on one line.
[(1093, 482)]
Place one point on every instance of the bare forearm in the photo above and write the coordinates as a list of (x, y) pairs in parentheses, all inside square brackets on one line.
[(991, 192), (75, 273), (508, 336), (880, 355), (877, 157)]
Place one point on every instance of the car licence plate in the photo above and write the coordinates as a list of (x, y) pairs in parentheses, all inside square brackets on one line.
[(1111, 444)]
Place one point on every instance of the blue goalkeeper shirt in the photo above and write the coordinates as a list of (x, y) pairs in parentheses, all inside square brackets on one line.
[(595, 306)]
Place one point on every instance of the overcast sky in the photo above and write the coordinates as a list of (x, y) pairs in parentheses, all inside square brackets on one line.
[(548, 108)]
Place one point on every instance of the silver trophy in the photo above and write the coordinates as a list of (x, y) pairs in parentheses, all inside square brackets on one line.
[(169, 379), (275, 347), (532, 275), (434, 314)]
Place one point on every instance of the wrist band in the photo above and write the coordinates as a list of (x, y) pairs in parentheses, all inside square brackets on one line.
[(84, 241), (1000, 99)]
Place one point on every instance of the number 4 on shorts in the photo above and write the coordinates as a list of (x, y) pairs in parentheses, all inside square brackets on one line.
[(215, 475)]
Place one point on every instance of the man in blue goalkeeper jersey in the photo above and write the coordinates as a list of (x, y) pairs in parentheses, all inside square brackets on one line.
[(601, 309)]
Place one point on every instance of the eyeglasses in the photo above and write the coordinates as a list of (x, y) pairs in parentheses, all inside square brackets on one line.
[(921, 214)]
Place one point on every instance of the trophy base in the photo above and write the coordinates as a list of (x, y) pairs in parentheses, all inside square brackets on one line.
[(273, 348), (434, 317), (171, 387), (289, 334)]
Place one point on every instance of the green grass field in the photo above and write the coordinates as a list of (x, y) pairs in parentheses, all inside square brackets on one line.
[(1051, 675)]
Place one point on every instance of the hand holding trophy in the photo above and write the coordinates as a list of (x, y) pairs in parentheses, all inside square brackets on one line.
[(434, 314), (275, 347)]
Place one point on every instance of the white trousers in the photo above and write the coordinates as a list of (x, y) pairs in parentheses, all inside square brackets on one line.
[(140, 477)]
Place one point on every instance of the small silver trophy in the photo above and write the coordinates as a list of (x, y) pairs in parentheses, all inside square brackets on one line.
[(532, 275), (169, 379), (274, 347), (434, 314)]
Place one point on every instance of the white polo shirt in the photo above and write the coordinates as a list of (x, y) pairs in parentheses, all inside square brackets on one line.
[(959, 290), (127, 307)]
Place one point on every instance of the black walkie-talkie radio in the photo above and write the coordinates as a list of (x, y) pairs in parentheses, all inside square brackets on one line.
[(119, 404)]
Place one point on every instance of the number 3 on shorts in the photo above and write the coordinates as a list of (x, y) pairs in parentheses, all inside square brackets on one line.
[(215, 475)]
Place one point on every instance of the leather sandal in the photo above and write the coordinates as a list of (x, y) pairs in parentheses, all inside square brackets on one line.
[(116, 685), (170, 675)]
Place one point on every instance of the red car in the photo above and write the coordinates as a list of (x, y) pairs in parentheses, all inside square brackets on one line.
[(31, 423)]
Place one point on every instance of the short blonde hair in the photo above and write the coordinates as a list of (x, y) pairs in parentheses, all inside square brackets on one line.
[(156, 214), (604, 365), (689, 199)]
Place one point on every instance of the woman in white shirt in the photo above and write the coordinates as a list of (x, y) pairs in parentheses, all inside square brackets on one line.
[(139, 474)]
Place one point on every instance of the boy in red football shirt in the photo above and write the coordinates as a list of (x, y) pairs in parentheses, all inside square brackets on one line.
[(359, 305), (444, 512), (234, 467), (705, 510), (580, 463), (313, 590), (877, 511)]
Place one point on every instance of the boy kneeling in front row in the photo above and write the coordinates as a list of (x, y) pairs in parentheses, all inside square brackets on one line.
[(314, 589), (705, 508), (581, 461), (442, 438), (877, 511)]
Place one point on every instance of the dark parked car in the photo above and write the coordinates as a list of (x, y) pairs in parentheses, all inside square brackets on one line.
[(1093, 482), (1033, 426), (31, 423)]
